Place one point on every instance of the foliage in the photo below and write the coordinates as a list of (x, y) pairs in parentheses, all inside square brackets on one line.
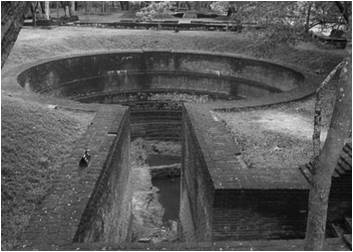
[(220, 6), (259, 12), (266, 41), (283, 22), (154, 10), (326, 14)]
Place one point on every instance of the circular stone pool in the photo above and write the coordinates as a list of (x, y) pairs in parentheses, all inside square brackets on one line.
[(155, 83), (114, 76)]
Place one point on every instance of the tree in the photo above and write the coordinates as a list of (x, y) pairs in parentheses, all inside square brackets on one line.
[(327, 14), (72, 8), (124, 5), (66, 6), (307, 22), (47, 10), (324, 165), (12, 17)]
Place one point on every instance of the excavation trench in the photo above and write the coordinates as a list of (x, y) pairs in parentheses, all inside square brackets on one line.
[(155, 85), (155, 163)]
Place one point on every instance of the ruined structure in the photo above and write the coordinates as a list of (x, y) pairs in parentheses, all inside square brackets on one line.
[(221, 199)]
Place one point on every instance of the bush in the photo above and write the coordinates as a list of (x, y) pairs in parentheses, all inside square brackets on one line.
[(268, 40), (154, 10)]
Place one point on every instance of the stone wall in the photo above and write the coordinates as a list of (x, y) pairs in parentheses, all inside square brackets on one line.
[(107, 216), (225, 199), (197, 190), (131, 78), (259, 214), (85, 200), (145, 71)]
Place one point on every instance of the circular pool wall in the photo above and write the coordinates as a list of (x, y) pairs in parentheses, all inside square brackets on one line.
[(133, 77), (96, 77)]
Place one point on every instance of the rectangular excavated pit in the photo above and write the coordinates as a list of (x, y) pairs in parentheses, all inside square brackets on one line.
[(216, 198)]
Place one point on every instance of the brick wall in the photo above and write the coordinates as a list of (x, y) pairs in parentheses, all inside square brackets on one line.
[(259, 214), (227, 201), (107, 216), (196, 189)]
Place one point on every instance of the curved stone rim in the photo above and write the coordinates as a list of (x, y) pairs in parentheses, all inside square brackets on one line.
[(307, 88)]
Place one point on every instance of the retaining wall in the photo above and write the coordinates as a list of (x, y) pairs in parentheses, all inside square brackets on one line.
[(107, 216), (90, 204), (143, 71), (132, 77), (197, 189), (224, 198)]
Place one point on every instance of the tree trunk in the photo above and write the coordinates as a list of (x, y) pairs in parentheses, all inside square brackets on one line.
[(47, 10), (12, 16), (307, 23), (122, 5), (340, 126), (317, 109), (67, 11), (34, 6), (57, 9), (72, 8)]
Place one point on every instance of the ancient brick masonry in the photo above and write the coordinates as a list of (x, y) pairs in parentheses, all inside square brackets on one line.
[(226, 200), (90, 204)]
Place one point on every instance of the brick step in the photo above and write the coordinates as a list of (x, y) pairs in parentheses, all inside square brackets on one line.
[(338, 231), (345, 162), (269, 245), (348, 239), (348, 224), (255, 228), (255, 236), (257, 233), (340, 167), (343, 167), (348, 149)]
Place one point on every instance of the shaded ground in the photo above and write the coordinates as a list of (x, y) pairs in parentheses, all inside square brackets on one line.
[(36, 138)]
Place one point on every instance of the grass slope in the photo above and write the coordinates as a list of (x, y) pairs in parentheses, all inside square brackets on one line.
[(68, 40), (35, 139)]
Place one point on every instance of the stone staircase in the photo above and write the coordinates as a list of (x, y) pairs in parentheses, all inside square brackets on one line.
[(331, 244), (342, 175), (344, 231), (341, 189), (348, 236)]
